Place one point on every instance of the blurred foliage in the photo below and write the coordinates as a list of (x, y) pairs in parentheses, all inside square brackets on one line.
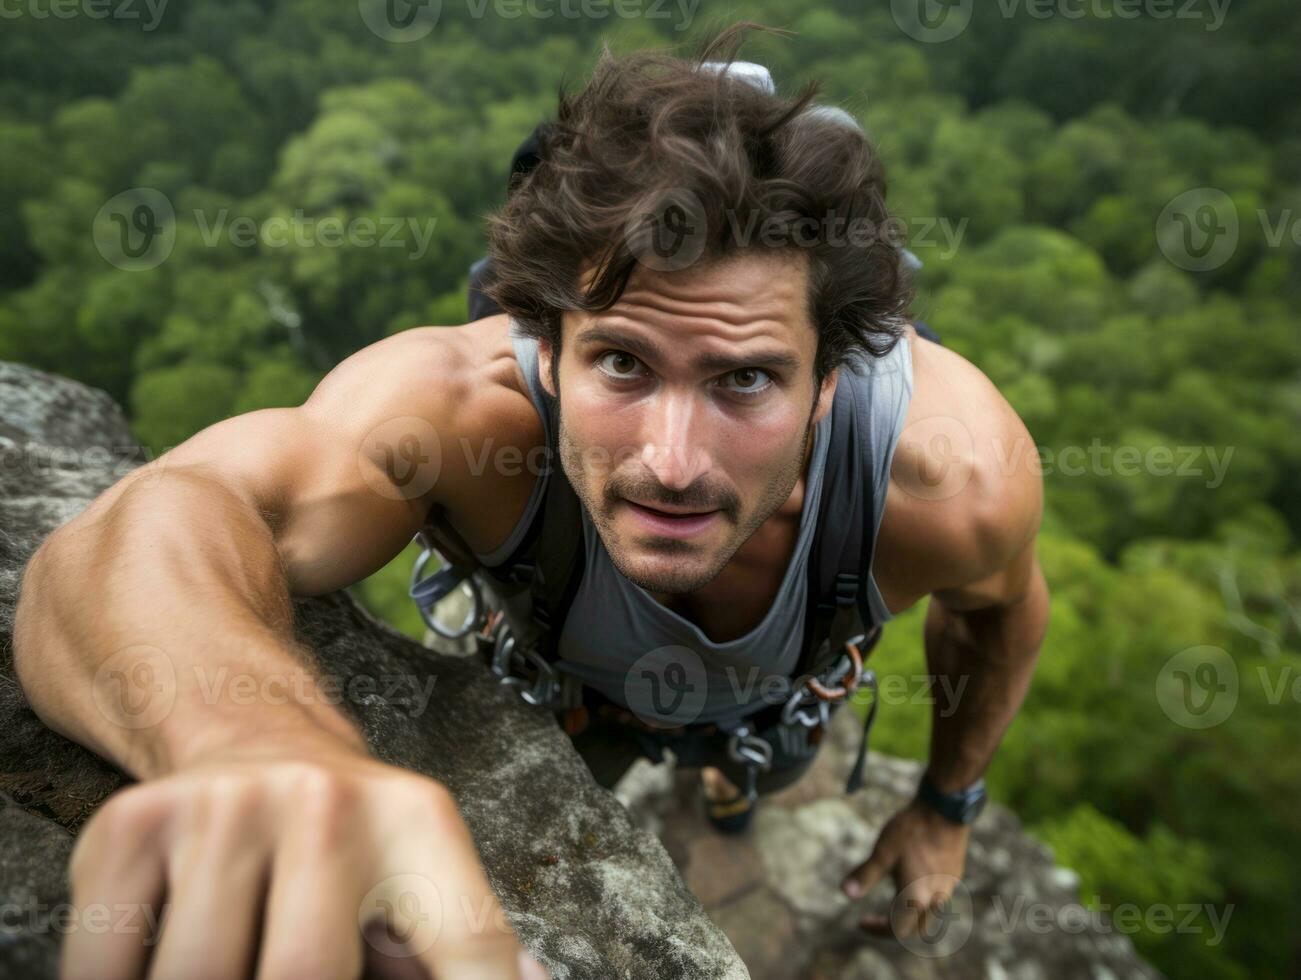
[(1031, 157)]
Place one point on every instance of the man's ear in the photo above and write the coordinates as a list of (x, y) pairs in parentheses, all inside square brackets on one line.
[(546, 373), (826, 395)]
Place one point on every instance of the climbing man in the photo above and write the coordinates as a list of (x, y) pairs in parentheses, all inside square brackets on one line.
[(690, 468)]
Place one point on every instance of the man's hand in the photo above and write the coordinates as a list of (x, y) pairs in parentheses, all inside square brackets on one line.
[(284, 864), (925, 854)]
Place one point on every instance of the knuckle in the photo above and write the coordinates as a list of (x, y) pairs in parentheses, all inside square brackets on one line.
[(322, 800), (319, 789), (132, 813), (426, 798), (127, 820)]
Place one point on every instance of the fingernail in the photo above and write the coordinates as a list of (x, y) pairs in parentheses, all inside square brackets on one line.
[(852, 888), (531, 969)]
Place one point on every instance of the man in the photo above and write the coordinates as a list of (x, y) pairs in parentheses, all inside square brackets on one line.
[(687, 390)]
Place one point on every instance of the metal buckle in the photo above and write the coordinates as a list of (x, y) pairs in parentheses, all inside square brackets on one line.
[(847, 676), (749, 749), (534, 678), (806, 709), (754, 753), (429, 592), (810, 705)]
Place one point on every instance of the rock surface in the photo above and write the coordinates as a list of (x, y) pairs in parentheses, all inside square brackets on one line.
[(775, 889), (592, 895)]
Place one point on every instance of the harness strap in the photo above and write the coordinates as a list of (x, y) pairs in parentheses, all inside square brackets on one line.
[(558, 560)]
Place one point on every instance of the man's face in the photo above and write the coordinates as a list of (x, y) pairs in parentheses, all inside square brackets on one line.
[(686, 411)]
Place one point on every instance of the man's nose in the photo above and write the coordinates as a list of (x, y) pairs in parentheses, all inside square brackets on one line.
[(673, 448)]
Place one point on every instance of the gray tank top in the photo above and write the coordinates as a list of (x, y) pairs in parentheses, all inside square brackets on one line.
[(638, 653)]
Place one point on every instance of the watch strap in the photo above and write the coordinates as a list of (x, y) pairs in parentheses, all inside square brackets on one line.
[(961, 806)]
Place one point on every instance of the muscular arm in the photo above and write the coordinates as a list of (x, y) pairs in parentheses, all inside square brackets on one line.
[(965, 502), (185, 567), (981, 657), (263, 828), (965, 506)]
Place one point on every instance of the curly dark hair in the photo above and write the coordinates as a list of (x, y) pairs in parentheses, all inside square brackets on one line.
[(651, 128)]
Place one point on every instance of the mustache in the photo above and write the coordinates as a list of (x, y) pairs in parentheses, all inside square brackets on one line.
[(700, 495)]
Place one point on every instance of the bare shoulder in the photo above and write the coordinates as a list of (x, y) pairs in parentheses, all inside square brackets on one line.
[(965, 495), (460, 392), (446, 375)]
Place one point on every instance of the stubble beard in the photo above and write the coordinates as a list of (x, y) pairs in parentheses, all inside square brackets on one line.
[(688, 576)]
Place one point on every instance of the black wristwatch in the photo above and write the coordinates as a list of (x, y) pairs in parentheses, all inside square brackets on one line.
[(961, 807)]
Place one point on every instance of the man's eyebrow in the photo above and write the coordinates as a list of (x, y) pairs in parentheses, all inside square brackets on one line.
[(777, 360)]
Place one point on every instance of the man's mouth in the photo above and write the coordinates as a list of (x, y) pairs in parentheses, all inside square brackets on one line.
[(665, 522)]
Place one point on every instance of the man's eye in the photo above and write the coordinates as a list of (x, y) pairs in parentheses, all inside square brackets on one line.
[(747, 380), (620, 364)]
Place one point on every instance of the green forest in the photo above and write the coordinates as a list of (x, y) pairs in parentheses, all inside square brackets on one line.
[(1107, 199)]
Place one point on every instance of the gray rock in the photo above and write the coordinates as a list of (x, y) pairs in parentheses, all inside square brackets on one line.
[(775, 889), (589, 893)]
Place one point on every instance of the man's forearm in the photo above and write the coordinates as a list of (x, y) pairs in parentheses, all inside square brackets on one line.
[(138, 619), (981, 663)]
